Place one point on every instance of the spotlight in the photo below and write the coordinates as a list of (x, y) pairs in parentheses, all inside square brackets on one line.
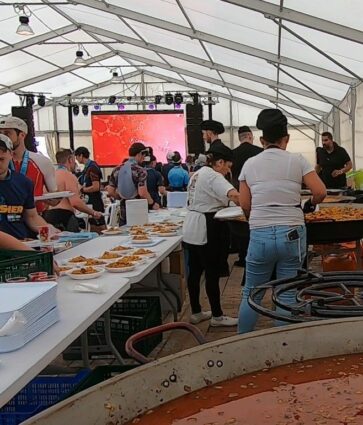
[(97, 107), (129, 98), (41, 100), (115, 77), (120, 106), (29, 100), (75, 110), (85, 110), (169, 100), (158, 99), (111, 100), (151, 106), (177, 106), (195, 97), (178, 98), (24, 28), (79, 61)]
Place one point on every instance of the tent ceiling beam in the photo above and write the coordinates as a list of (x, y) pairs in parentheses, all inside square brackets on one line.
[(215, 81), (272, 10), (309, 88), (334, 61), (55, 73), (210, 38), (38, 39), (300, 119), (211, 65), (305, 121)]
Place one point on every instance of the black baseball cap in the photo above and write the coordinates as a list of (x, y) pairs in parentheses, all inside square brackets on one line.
[(136, 148)]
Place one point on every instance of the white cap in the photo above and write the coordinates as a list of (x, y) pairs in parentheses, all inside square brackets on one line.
[(6, 141), (14, 122), (169, 155)]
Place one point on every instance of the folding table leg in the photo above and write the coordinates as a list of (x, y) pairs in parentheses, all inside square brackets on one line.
[(107, 325), (163, 286), (84, 349)]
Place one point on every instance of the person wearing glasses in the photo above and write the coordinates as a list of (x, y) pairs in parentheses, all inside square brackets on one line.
[(132, 179)]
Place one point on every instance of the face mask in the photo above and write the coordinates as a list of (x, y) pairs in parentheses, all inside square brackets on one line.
[(147, 159)]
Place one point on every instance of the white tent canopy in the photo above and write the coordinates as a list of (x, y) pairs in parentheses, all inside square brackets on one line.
[(301, 56)]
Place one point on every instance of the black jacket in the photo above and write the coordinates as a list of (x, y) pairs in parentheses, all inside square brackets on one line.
[(240, 155)]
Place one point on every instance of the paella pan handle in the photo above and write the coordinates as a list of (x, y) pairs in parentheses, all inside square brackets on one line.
[(132, 352)]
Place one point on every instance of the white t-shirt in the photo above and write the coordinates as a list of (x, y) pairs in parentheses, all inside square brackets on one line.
[(274, 178), (207, 192)]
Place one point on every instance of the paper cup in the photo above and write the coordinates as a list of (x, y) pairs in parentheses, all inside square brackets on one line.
[(36, 275), (44, 233)]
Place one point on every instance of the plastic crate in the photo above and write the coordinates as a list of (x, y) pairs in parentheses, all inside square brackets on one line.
[(41, 393), (129, 315), (21, 263), (100, 374)]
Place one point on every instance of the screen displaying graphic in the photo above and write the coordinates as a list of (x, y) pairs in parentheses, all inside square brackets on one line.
[(113, 133)]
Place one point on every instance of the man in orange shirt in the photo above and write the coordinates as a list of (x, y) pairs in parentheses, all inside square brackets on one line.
[(63, 215), (35, 166)]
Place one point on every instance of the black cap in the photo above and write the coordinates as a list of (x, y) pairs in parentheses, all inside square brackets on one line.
[(273, 124), (215, 126), (221, 151), (136, 148), (176, 158), (244, 129)]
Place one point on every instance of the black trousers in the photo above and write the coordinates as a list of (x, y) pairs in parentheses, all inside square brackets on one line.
[(207, 258)]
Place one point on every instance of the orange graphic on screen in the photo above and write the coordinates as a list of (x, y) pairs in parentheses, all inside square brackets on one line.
[(113, 133)]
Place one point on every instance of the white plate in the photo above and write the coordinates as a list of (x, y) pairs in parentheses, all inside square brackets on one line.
[(166, 234), (120, 270), (229, 212), (85, 276), (64, 273), (141, 241), (73, 263), (111, 232), (54, 195), (110, 260)]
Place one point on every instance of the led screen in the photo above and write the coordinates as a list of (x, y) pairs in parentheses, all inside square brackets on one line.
[(113, 133)]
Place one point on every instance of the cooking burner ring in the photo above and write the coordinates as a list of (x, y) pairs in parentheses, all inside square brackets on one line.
[(318, 296)]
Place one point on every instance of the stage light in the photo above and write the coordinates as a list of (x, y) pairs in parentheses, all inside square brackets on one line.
[(97, 107), (79, 61), (85, 110), (75, 110), (178, 98), (29, 100), (169, 99), (120, 106), (195, 97), (112, 100), (177, 106), (129, 98), (41, 100), (158, 99), (151, 106), (24, 28)]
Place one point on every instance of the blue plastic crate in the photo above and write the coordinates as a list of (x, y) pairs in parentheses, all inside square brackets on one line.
[(41, 393)]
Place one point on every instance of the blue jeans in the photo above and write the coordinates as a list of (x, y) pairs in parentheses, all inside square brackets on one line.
[(270, 247)]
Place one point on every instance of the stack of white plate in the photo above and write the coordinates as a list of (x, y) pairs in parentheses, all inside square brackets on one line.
[(35, 304)]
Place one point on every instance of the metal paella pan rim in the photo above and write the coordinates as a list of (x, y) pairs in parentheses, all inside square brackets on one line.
[(318, 296)]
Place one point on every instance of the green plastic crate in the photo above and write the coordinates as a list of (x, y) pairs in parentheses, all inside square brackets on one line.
[(21, 263)]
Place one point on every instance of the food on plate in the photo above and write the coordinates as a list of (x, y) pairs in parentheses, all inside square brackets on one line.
[(120, 264), (79, 259), (166, 231), (138, 232), (94, 262), (112, 230), (109, 256), (85, 270), (142, 251), (141, 238), (63, 269), (132, 258), (120, 248), (335, 214)]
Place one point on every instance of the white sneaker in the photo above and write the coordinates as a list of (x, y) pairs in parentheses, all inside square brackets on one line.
[(223, 321), (200, 317)]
